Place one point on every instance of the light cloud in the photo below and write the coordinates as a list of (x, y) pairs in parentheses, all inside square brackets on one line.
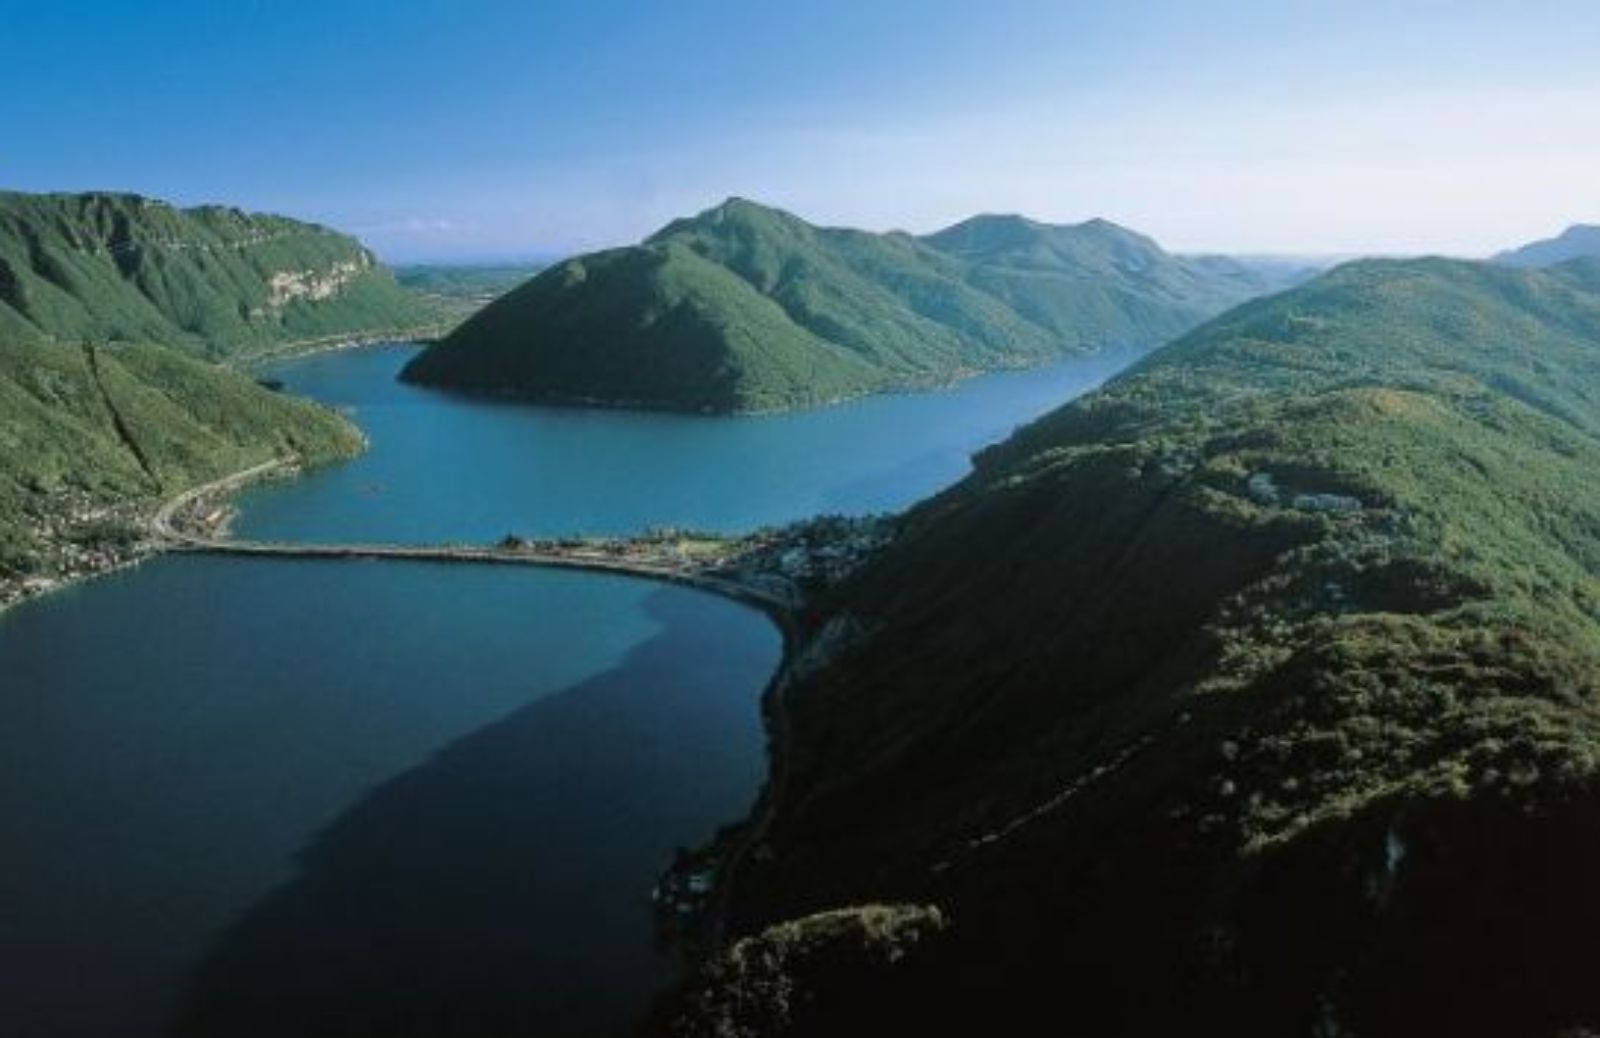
[(1464, 172), (1451, 171), (419, 226)]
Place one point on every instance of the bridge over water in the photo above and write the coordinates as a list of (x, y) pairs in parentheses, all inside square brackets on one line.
[(781, 608), (769, 600), (752, 594)]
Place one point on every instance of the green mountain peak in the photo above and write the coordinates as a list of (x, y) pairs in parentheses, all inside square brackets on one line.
[(747, 307)]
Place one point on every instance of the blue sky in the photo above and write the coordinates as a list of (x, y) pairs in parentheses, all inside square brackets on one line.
[(492, 128)]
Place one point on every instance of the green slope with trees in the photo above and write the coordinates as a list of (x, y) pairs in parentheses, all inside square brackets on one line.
[(1253, 694), (747, 308), (1580, 241), (212, 281), (112, 308), (92, 438)]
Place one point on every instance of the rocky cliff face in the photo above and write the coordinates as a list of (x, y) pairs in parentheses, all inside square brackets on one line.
[(286, 286), (211, 281)]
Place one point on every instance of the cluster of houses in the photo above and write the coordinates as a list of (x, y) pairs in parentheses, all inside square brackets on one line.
[(787, 560), (205, 516), (810, 555), (74, 537), (683, 894)]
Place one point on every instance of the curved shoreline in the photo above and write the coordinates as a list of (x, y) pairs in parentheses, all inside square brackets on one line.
[(782, 612), (165, 535), (338, 342), (758, 820), (169, 536)]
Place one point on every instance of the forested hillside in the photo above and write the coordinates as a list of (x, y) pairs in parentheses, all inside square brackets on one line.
[(213, 281), (746, 308), (1253, 694)]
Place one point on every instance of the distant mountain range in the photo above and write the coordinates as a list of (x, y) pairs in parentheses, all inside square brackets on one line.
[(747, 308), (459, 290), (1253, 694), (1580, 241)]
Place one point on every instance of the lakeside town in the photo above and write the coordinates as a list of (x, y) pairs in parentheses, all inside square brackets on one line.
[(74, 538), (78, 538), (788, 562)]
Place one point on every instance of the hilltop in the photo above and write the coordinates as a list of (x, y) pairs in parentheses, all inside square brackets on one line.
[(747, 308), (1252, 694), (1577, 242), (213, 282)]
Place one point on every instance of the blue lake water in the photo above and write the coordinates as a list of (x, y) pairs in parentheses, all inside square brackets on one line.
[(279, 794), (446, 467)]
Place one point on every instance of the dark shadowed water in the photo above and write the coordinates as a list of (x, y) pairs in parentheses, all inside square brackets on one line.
[(306, 797)]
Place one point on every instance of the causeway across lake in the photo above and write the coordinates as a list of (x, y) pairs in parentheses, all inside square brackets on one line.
[(228, 782)]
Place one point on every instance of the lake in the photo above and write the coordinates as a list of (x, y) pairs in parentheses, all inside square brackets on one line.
[(416, 798), (445, 467)]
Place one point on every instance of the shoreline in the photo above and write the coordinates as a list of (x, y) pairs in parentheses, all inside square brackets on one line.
[(599, 403), (149, 517), (21, 589), (744, 576), (421, 335), (751, 831), (732, 845), (913, 387), (37, 589), (757, 571)]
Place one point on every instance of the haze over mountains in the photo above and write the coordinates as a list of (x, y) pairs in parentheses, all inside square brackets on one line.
[(747, 308), (1580, 241)]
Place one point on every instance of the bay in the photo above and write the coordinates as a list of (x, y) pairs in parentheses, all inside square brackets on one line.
[(259, 796)]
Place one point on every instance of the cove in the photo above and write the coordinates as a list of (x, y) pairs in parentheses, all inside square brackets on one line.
[(233, 784)]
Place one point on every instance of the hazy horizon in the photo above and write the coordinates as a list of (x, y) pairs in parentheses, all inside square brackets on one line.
[(489, 131)]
